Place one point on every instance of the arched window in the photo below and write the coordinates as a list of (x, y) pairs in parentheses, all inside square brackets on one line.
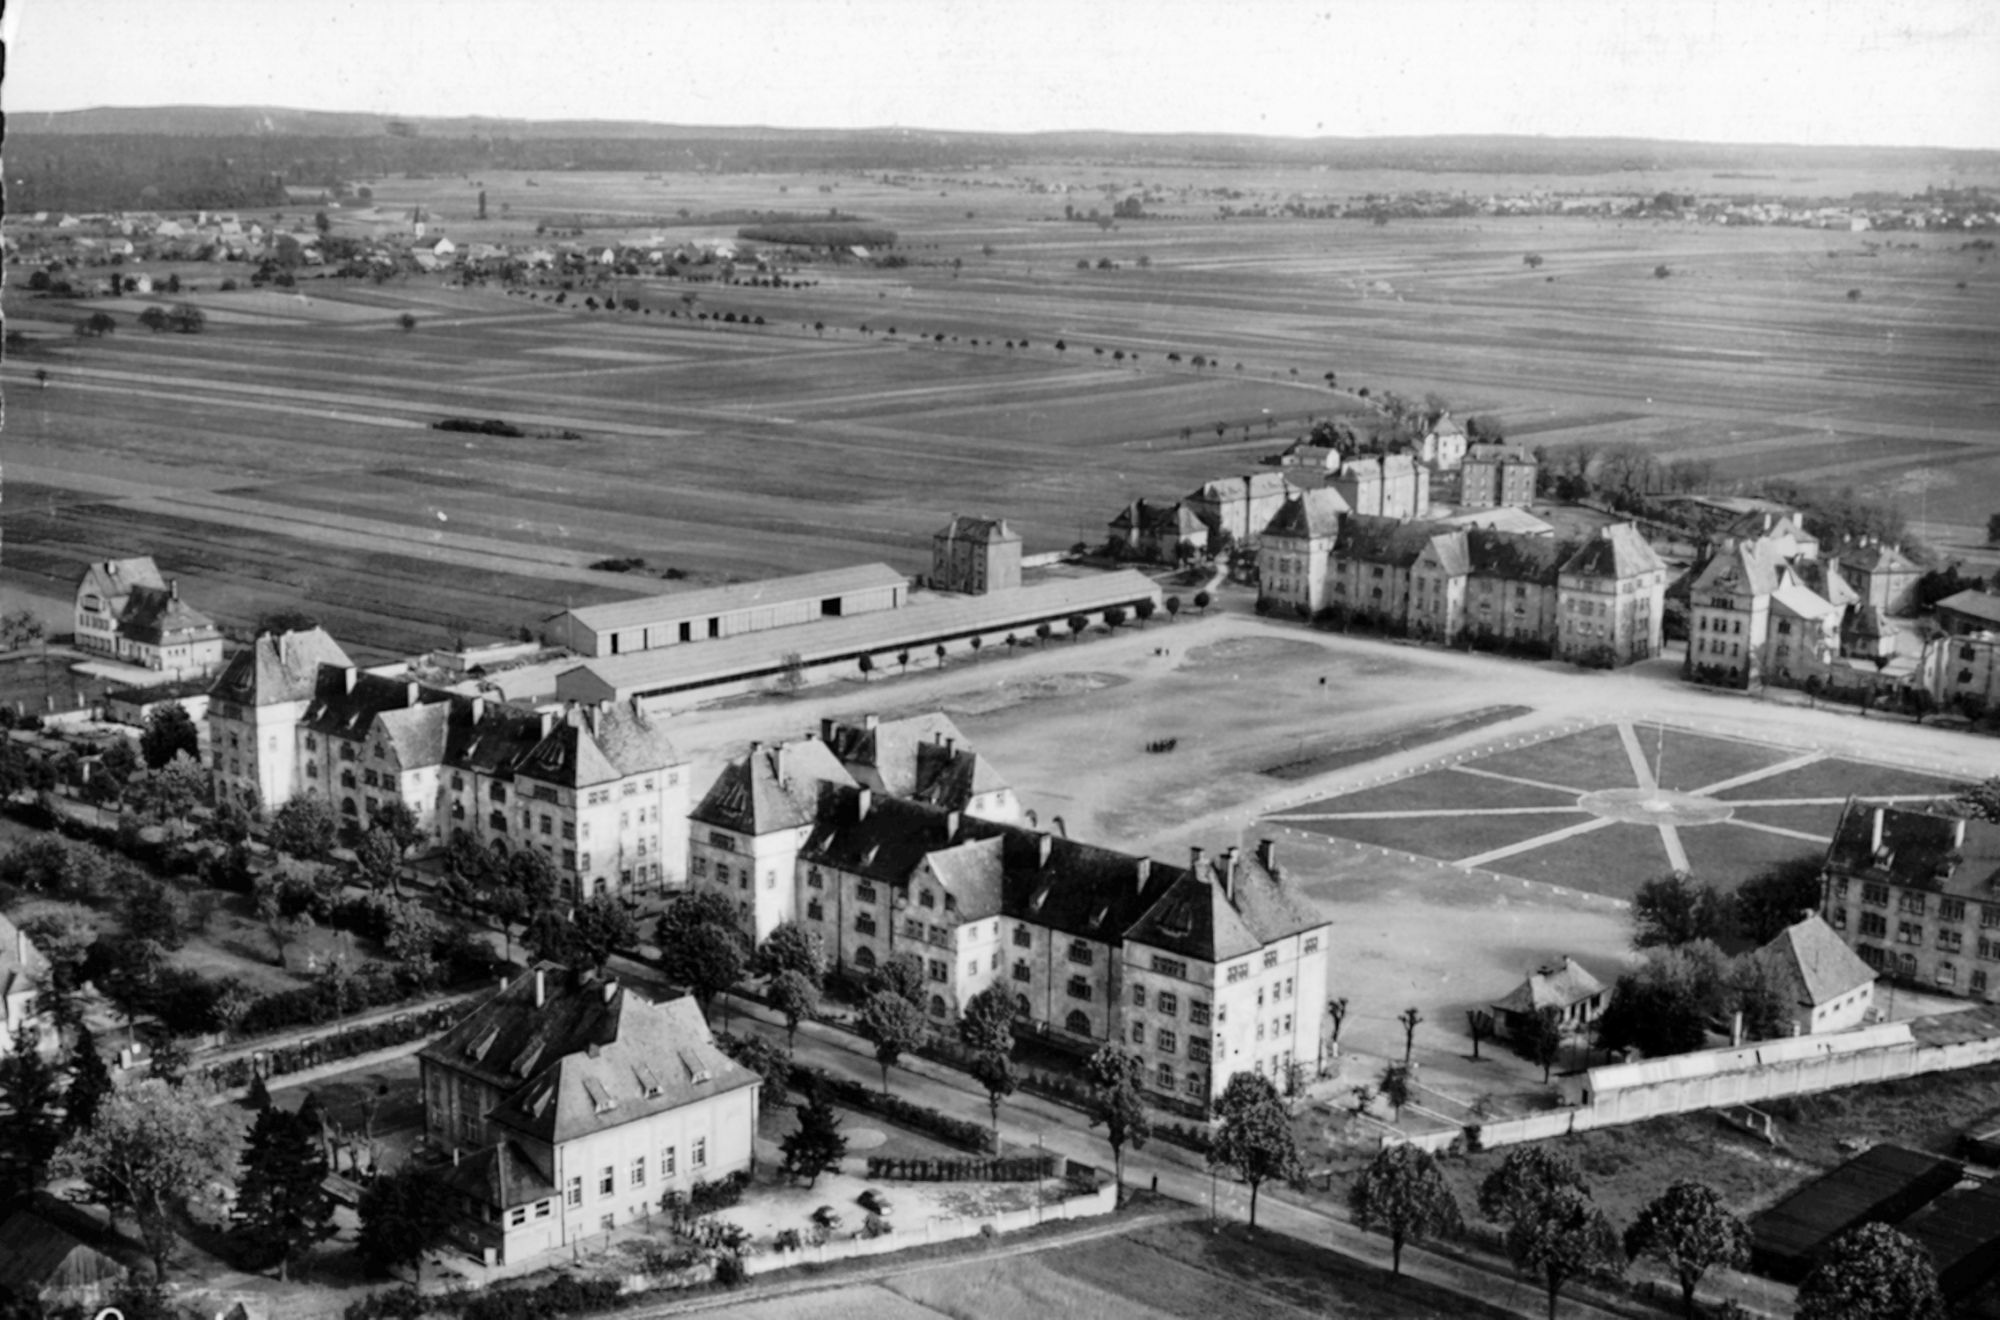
[(1193, 1084), (497, 820), (1021, 1006), (347, 807), (937, 1006), (499, 847), (864, 958), (1078, 1021)]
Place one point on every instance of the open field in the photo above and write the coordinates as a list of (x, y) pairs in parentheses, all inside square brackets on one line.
[(281, 456)]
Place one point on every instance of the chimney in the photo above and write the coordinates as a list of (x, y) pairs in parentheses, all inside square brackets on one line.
[(863, 800), (548, 722), (1267, 856), (21, 946), (410, 691), (478, 709), (1044, 844), (348, 676), (1194, 859), (1875, 835), (1958, 832), (610, 989), (871, 722), (778, 762), (1229, 873), (949, 744), (950, 826), (1141, 874), (591, 1049), (826, 729), (174, 588), (541, 988)]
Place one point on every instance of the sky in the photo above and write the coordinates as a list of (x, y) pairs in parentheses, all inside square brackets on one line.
[(1822, 72)]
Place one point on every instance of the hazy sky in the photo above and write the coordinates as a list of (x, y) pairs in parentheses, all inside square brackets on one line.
[(1901, 72)]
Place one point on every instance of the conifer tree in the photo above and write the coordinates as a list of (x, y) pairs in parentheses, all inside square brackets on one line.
[(282, 1205), (31, 1118)]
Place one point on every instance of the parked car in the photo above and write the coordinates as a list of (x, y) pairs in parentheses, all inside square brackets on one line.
[(874, 1202), (827, 1218)]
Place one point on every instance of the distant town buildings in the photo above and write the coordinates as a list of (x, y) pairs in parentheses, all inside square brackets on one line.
[(126, 611)]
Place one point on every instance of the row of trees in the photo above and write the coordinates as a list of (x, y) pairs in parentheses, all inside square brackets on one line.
[(1555, 1232)]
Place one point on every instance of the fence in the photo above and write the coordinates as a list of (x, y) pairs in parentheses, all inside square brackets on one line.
[(1721, 1079), (1101, 1202)]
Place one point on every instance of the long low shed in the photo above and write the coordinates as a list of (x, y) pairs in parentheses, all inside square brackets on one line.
[(1884, 1184), (685, 675), (1962, 1234), (625, 627)]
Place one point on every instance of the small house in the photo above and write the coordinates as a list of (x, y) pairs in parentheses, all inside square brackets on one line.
[(1566, 986), (1826, 986)]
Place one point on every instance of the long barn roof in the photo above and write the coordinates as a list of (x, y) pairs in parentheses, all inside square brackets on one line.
[(736, 596)]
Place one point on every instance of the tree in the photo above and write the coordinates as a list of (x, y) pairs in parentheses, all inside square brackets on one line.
[(96, 326), (31, 1117), (1532, 261), (1042, 633), (1076, 623), (1201, 601), (1114, 617), (156, 908), (282, 1206), (188, 319), (172, 791), (1672, 910), (901, 975), (1143, 610), (1665, 1004), (1117, 1103), (150, 1149), (769, 1061), (154, 319), (285, 925), (1481, 1023), (1692, 1231), (1524, 1181), (1403, 1195), (1568, 1237), (1394, 1086), (1761, 996), (1410, 1019), (1540, 1039), (867, 663), (994, 1071), (1993, 529), (903, 659), (89, 1084), (1255, 1137), (304, 827), (987, 1024), (795, 996), (403, 1215), (603, 927), (790, 947), (377, 859), (1776, 897), (1173, 608), (1872, 1273), (20, 630), (817, 1145), (894, 1025)]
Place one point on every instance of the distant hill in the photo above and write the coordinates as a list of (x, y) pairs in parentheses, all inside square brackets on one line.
[(225, 155)]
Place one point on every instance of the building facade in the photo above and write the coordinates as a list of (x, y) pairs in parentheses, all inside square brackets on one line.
[(253, 715), (975, 556), (1242, 506), (1492, 476), (1293, 550), (1825, 985), (126, 611), (1913, 894)]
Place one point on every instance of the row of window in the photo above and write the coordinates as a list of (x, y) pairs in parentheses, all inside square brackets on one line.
[(635, 1174)]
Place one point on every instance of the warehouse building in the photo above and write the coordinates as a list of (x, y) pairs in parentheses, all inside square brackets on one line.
[(678, 677), (651, 623)]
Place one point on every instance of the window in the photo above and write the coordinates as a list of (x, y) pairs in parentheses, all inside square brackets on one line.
[(913, 928), (927, 899), (517, 1216), (569, 829), (1876, 895), (1170, 967), (865, 923), (698, 1153), (1875, 924), (1169, 1004), (1312, 944), (1080, 953), (1138, 1033), (1198, 1012), (499, 792), (865, 893), (1197, 1049), (1909, 932), (1077, 1023), (1913, 903), (543, 1209), (1951, 909), (1166, 1042), (639, 1172), (1951, 941), (1978, 983), (716, 838), (575, 1192), (1989, 916), (548, 825), (606, 1180), (937, 1006), (1839, 921), (864, 958), (1138, 996), (666, 1163), (699, 866), (1165, 1076), (1947, 975), (1021, 972), (939, 972), (814, 911), (1079, 987), (1023, 938), (1238, 972)]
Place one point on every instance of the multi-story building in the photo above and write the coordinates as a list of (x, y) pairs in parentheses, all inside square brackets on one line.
[(1292, 553), (1241, 506), (1613, 599), (976, 555), (1914, 894), (924, 757), (744, 836), (1494, 475), (254, 710), (1962, 671), (126, 610), (1384, 486), (583, 1104), (1158, 532), (1752, 619), (598, 790), (1881, 574)]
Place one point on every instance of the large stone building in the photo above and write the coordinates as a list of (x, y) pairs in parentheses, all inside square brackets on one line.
[(1203, 970), (976, 555), (1158, 532), (1494, 475), (1384, 486), (1613, 599), (1881, 574), (1243, 506), (570, 1106), (125, 610), (598, 790), (1292, 553), (1914, 895), (1752, 619)]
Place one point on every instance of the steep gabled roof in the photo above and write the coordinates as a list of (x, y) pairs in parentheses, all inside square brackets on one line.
[(1448, 551), (773, 788), (1309, 513), (417, 733), (159, 616), (1974, 604), (1795, 598), (886, 844), (510, 1037), (986, 530), (278, 667), (1081, 890), (1561, 986), (1206, 915), (1825, 577), (953, 777), (1747, 568), (1812, 963), (1514, 557), (632, 740), (37, 1256), (1369, 539), (1618, 551), (493, 742), (338, 711), (500, 1176), (1871, 555), (114, 579), (568, 757), (973, 873), (657, 1057), (1943, 854)]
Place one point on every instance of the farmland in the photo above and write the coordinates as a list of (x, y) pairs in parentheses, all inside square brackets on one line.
[(284, 457)]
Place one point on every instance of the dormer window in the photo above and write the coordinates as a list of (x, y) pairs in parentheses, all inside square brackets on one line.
[(600, 1099), (927, 899)]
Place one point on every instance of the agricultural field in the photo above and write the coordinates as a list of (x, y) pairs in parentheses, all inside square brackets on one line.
[(1606, 808), (283, 456)]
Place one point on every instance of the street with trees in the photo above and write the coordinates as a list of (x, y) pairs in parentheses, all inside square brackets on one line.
[(700, 946), (1117, 1103), (1403, 1195), (1689, 1229), (1254, 1136), (894, 1026)]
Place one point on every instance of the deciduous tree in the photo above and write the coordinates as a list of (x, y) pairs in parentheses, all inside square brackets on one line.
[(1672, 910), (1403, 1195), (1872, 1273), (901, 975), (791, 947), (1255, 1137), (1778, 896), (1568, 1237), (1117, 1103), (795, 997), (169, 732), (403, 1215), (994, 1072), (603, 927), (305, 827), (987, 1024), (894, 1025), (1689, 1229)]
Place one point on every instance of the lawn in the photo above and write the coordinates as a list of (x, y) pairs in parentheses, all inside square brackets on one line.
[(1590, 759), (1613, 860), (1688, 762), (1447, 835), (1181, 1270), (1837, 777), (1438, 789)]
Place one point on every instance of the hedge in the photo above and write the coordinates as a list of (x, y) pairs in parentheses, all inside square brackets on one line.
[(854, 1095), (300, 1055)]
